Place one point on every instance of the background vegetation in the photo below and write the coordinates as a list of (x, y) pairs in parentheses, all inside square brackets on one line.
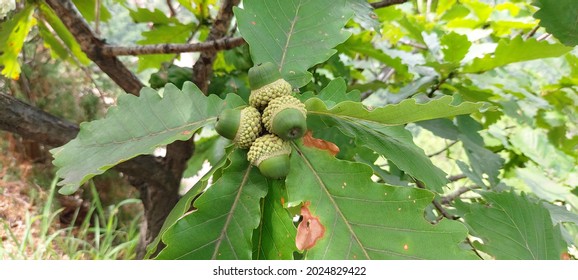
[(455, 123)]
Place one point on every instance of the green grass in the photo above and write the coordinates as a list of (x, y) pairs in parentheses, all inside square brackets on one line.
[(101, 236)]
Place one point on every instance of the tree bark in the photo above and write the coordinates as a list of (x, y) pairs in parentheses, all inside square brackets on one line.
[(203, 68), (157, 180), (92, 46), (216, 45), (34, 124)]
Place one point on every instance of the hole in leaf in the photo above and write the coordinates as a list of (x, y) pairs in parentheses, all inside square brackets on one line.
[(309, 231)]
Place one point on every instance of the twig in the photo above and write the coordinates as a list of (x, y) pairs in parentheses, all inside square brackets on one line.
[(543, 37), (97, 17), (387, 3), (428, 10), (366, 94), (443, 150), (457, 193), (413, 44), (532, 32), (436, 204), (203, 68), (172, 11), (92, 46), (438, 85), (85, 70), (474, 248), (443, 211), (212, 46), (457, 177), (386, 77)]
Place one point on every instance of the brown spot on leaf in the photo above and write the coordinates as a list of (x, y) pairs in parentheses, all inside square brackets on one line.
[(186, 132), (282, 201), (565, 256), (309, 231), (405, 247), (310, 141), (253, 23)]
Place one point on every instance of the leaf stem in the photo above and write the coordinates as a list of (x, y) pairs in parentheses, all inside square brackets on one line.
[(452, 196), (436, 204), (474, 248), (387, 3), (443, 150), (532, 32)]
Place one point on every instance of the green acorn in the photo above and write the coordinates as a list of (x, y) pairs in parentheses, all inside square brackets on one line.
[(266, 83), (271, 155), (286, 117), (242, 126)]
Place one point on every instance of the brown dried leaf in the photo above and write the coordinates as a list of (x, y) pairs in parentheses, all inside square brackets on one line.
[(309, 230), (310, 141)]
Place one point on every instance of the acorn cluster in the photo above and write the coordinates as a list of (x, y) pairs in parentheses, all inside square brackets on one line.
[(265, 127)]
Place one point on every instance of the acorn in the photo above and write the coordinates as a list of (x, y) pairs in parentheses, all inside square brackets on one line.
[(286, 117), (266, 83), (242, 125), (271, 155)]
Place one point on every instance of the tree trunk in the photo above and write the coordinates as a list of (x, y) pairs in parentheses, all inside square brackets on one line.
[(158, 180)]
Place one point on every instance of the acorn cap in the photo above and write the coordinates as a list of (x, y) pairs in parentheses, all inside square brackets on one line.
[(242, 126), (286, 117), (271, 155), (263, 74), (261, 97)]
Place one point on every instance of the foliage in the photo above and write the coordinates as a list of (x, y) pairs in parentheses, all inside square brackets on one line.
[(560, 19), (521, 229), (390, 88), (136, 120)]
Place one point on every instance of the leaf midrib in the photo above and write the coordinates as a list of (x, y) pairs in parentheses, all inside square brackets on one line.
[(512, 220), (290, 33), (328, 112), (153, 134), (231, 213)]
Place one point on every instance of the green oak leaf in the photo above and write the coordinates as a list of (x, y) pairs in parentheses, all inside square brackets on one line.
[(379, 129), (293, 34), (88, 10), (334, 93), (396, 114), (63, 34), (560, 18), (135, 127), (366, 220), (226, 215), (455, 47), (534, 143), (184, 205), (156, 16), (513, 227), (161, 34), (363, 14), (57, 50), (516, 50), (274, 239), (13, 32), (361, 44)]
